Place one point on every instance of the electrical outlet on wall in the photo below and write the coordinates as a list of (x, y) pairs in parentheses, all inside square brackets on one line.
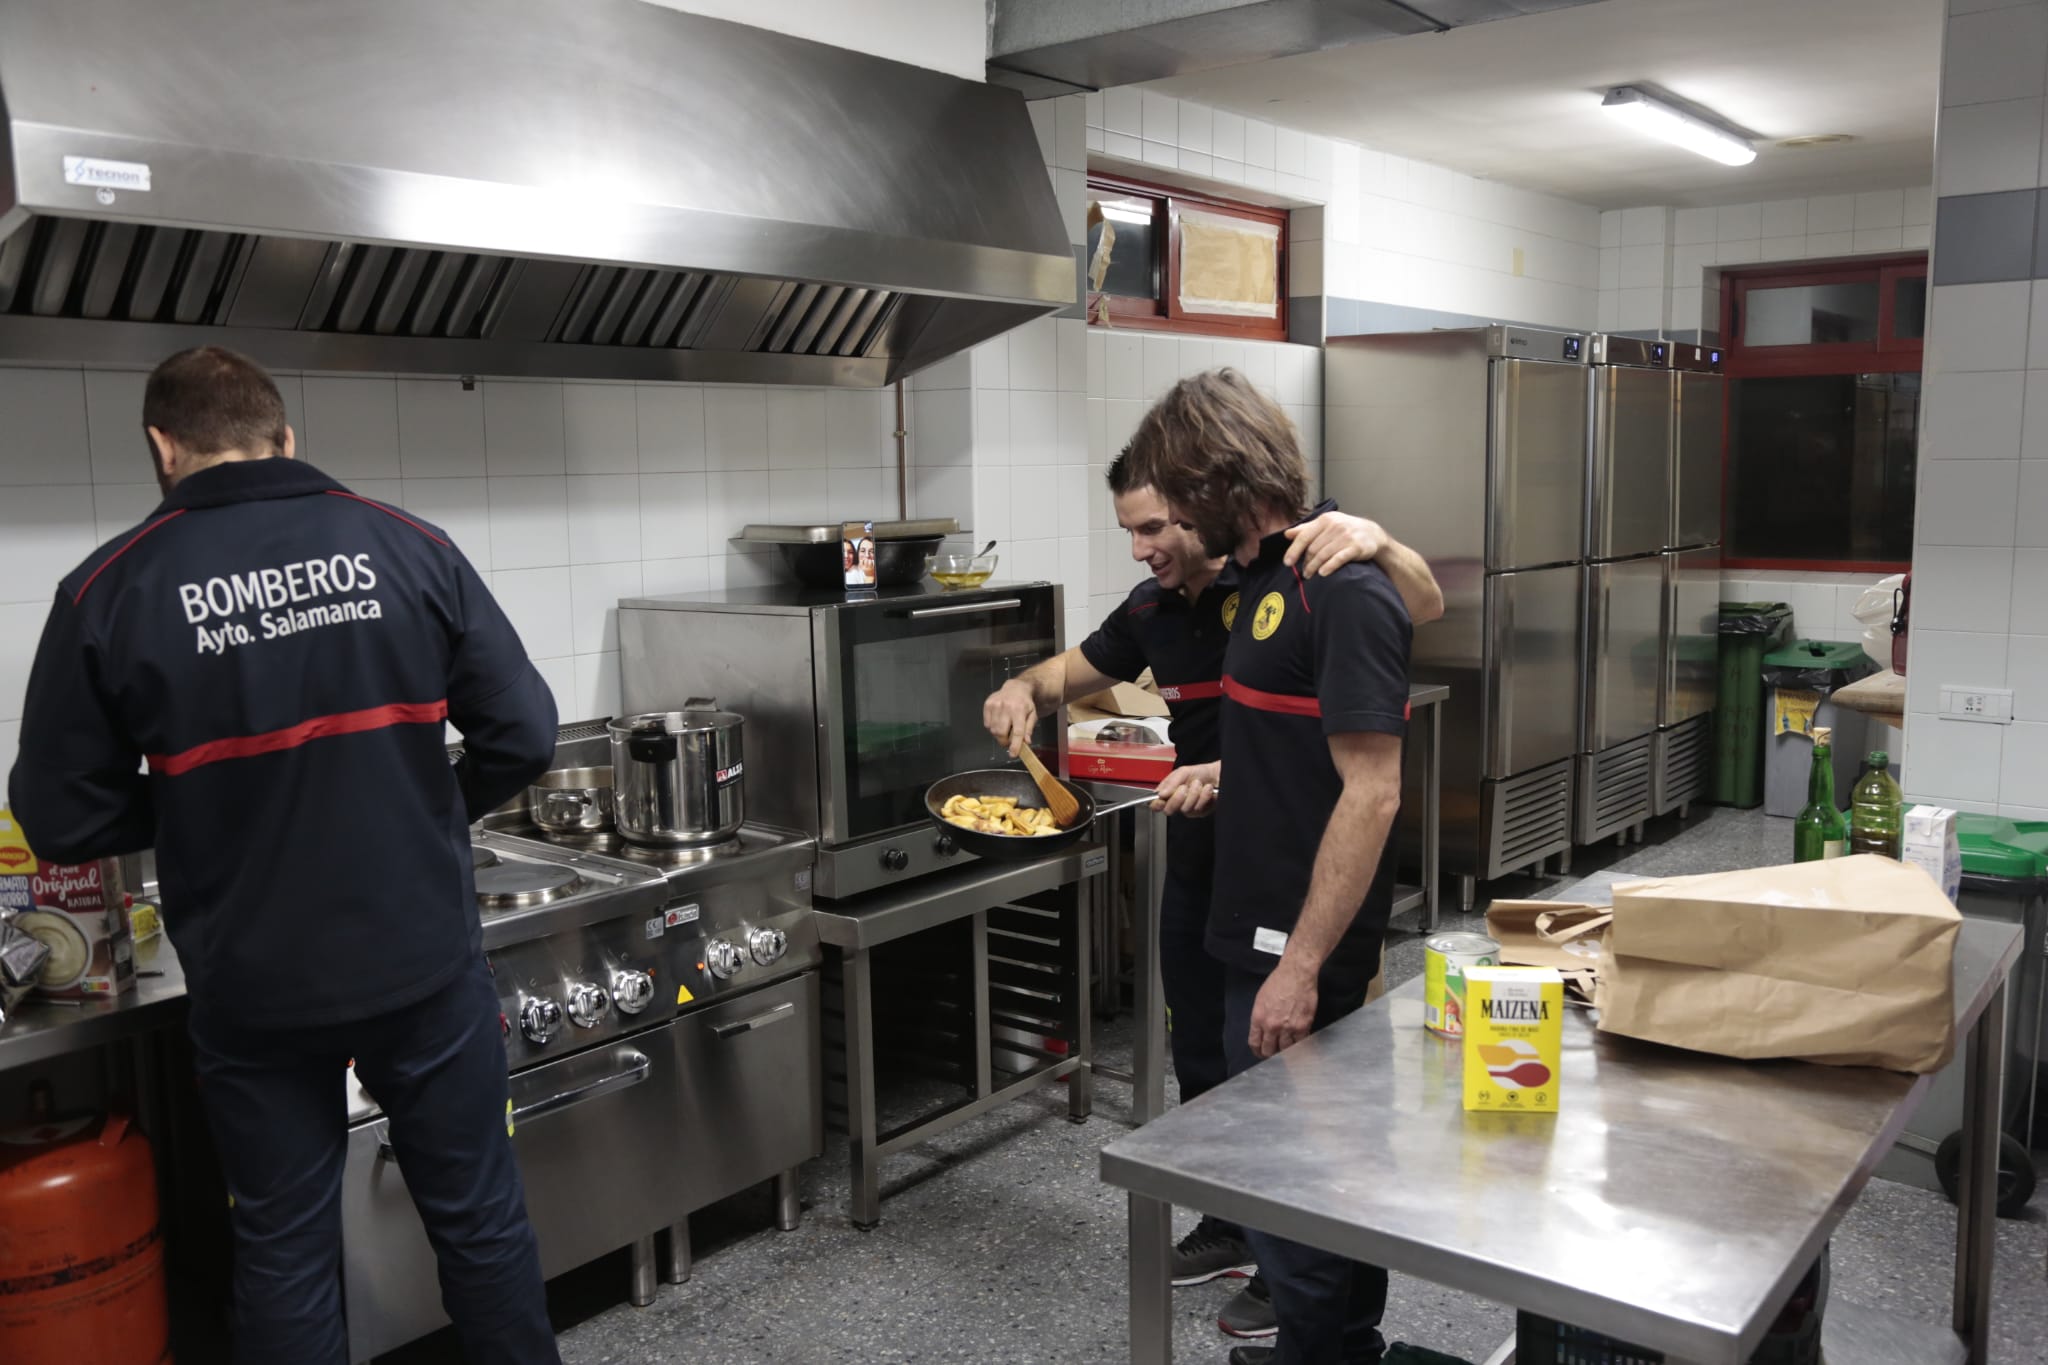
[(1991, 705)]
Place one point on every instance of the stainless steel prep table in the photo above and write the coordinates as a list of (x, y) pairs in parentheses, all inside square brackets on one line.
[(853, 927), (1673, 1203), (43, 1030)]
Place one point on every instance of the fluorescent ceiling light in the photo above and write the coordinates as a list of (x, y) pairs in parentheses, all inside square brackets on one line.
[(1661, 119)]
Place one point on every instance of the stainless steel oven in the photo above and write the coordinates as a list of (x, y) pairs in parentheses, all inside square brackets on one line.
[(854, 705)]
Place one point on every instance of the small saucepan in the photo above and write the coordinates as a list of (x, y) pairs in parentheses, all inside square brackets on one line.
[(1014, 782), (572, 801)]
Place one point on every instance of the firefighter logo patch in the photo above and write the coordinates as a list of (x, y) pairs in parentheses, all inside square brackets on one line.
[(1267, 619), (1230, 611)]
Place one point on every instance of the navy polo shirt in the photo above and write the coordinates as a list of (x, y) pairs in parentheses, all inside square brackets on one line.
[(1182, 643), (1307, 658)]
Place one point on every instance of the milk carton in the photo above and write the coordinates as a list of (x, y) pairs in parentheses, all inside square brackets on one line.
[(1930, 845), (1514, 1038)]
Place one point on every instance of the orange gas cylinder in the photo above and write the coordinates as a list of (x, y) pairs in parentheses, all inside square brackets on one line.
[(81, 1253)]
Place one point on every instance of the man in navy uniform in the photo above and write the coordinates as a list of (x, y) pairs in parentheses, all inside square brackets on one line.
[(254, 682), (1315, 700), (1176, 623)]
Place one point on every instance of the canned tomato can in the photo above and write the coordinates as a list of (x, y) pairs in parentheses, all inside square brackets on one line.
[(1444, 960)]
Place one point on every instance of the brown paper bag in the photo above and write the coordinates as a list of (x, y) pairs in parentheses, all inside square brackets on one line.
[(1565, 935), (1847, 962)]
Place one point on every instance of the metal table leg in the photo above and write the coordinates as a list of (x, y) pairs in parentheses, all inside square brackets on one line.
[(679, 1252), (643, 1271), (1148, 1050), (1151, 1228), (1432, 813), (1081, 1084), (984, 1045), (864, 1206), (1977, 1194), (788, 1206)]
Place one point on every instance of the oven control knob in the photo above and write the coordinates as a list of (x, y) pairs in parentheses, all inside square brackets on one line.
[(946, 845), (895, 859), (588, 1005), (539, 1017), (767, 945), (632, 990), (723, 959)]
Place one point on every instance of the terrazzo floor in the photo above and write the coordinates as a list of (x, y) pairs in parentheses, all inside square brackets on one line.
[(999, 1246)]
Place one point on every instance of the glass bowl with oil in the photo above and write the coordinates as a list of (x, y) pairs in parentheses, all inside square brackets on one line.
[(956, 571)]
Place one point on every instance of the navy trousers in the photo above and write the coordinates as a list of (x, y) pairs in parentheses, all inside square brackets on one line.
[(1193, 980), (276, 1103), (1329, 1308)]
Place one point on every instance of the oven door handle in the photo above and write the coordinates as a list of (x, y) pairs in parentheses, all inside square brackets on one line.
[(773, 1015), (637, 1069), (967, 608)]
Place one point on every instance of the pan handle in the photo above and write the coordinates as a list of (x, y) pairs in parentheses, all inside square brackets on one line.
[(649, 748)]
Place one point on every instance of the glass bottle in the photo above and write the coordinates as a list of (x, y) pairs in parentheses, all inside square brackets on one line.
[(1877, 810), (1821, 831)]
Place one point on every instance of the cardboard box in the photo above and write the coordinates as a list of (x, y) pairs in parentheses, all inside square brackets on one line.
[(1132, 765), (1125, 699), (79, 911), (1930, 844), (1514, 1039)]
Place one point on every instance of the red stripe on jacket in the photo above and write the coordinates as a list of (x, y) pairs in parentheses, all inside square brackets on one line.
[(1195, 691), (1281, 702), (82, 587), (295, 736)]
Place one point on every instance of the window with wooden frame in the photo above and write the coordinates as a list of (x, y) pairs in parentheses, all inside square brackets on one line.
[(1823, 416), (1166, 260)]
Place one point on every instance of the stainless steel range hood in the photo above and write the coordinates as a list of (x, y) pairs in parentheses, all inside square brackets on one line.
[(575, 188)]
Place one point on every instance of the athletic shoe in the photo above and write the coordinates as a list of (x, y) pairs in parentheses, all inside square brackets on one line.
[(1251, 1355), (1250, 1314), (1214, 1249)]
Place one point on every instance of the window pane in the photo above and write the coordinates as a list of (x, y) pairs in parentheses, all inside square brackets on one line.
[(1909, 308), (1821, 467), (1123, 248), (1806, 314)]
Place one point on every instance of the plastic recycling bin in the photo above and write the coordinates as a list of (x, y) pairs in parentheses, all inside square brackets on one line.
[(1799, 677), (1749, 630)]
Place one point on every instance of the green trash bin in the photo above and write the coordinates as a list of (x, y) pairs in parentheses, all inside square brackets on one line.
[(1749, 630), (1800, 677), (2005, 878)]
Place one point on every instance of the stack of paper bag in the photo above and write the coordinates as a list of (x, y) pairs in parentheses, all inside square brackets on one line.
[(1847, 961)]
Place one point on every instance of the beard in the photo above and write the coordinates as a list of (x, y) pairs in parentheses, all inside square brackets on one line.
[(1217, 543)]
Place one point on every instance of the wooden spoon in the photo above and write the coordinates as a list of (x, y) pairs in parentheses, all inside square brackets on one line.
[(1065, 809)]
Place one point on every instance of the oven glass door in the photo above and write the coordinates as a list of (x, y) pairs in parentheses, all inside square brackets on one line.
[(905, 684)]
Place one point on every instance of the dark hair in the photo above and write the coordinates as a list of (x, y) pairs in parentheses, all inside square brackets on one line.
[(212, 400), (1123, 473), (1222, 454)]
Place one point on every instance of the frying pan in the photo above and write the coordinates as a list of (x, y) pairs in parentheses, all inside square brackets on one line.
[(1005, 782)]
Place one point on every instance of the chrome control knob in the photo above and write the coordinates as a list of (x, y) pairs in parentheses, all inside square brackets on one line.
[(588, 1004), (767, 945), (539, 1017), (723, 959), (632, 990)]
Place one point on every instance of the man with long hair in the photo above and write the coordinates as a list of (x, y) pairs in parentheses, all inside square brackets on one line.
[(1315, 693)]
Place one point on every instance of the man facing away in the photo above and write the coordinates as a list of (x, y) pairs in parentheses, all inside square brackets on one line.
[(280, 654), (1315, 691)]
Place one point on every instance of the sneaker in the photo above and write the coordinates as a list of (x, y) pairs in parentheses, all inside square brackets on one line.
[(1251, 1355), (1214, 1249), (1250, 1314)]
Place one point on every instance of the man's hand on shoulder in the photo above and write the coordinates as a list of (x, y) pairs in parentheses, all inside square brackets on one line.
[(1333, 540)]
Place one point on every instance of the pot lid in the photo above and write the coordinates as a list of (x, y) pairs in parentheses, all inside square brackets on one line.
[(829, 533), (696, 720)]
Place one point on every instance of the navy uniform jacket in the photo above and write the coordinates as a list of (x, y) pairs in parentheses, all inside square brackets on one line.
[(254, 682), (1182, 643), (1308, 658)]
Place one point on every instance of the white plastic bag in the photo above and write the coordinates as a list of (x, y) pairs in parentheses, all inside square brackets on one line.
[(1874, 612)]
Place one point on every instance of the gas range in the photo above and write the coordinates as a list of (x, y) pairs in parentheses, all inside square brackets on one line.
[(587, 944)]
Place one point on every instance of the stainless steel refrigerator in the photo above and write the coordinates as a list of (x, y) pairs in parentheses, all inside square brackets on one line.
[(1469, 445), (1628, 508), (1682, 756)]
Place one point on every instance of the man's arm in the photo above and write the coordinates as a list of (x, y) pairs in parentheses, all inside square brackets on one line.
[(1012, 710), (1370, 766), (77, 787), (498, 700), (1334, 539)]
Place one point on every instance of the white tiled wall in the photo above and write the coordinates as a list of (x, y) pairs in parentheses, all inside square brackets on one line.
[(1980, 554), (1659, 267), (1823, 604), (1391, 231), (565, 496)]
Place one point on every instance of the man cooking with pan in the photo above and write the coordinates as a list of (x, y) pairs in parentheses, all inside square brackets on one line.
[(1177, 623)]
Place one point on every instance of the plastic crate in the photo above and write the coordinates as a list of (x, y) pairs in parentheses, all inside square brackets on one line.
[(1545, 1341)]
